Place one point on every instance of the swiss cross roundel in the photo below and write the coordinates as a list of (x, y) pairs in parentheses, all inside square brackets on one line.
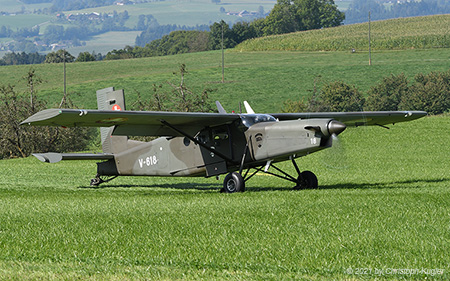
[(116, 107)]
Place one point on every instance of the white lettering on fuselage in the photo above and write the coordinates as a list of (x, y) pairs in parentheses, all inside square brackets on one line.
[(149, 161)]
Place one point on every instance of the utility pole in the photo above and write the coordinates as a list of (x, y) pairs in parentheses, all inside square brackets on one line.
[(223, 59), (370, 49), (64, 66)]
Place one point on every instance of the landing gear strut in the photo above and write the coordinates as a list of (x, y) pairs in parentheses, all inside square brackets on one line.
[(99, 179), (235, 182)]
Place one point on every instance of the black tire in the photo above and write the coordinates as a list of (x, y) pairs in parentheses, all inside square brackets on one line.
[(233, 182), (307, 180)]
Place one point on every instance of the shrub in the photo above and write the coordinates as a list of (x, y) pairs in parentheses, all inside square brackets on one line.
[(430, 93), (388, 94), (337, 96)]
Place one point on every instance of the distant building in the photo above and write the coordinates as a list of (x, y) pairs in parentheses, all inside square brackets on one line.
[(243, 13)]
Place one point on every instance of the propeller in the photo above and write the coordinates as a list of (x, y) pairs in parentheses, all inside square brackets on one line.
[(335, 157)]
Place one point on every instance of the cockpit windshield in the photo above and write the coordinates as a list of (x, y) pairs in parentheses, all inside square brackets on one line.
[(250, 119)]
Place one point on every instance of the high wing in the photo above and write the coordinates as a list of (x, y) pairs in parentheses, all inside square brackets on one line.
[(157, 123), (363, 118), (133, 123)]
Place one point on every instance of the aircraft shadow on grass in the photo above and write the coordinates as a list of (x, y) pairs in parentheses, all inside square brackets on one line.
[(383, 184), (216, 187)]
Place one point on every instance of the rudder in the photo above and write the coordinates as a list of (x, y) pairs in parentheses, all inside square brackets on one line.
[(109, 99)]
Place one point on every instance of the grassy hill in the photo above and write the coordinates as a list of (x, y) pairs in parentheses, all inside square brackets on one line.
[(256, 76), (397, 34), (265, 79)]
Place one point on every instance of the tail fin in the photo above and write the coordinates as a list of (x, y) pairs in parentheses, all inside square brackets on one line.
[(109, 99)]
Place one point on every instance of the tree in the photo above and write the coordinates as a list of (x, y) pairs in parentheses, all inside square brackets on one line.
[(21, 141), (215, 36), (388, 94), (53, 33), (85, 56), (59, 56), (242, 31), (297, 15), (430, 93), (338, 96), (281, 19)]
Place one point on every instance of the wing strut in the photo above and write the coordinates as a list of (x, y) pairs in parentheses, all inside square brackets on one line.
[(164, 122)]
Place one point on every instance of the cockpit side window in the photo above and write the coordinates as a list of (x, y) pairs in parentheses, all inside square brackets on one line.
[(250, 119)]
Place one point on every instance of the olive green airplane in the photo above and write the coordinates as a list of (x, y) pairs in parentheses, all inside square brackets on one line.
[(205, 144)]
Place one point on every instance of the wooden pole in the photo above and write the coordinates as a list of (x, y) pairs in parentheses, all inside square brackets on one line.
[(370, 47), (223, 60)]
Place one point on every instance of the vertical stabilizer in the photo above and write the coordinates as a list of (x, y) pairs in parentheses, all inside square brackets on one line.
[(109, 99)]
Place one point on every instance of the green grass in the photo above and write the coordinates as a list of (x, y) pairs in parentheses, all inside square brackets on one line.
[(252, 76), (404, 33), (384, 206)]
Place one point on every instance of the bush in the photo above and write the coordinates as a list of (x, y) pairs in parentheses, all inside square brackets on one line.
[(430, 93), (388, 94), (337, 96)]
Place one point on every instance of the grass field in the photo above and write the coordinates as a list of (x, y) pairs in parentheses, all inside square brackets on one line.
[(384, 207), (12, 6), (106, 42), (404, 33), (252, 76), (21, 21)]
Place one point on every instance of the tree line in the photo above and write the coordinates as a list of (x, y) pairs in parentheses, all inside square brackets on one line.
[(358, 10), (52, 57), (429, 92)]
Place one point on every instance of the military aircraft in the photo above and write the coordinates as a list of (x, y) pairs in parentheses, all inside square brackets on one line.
[(205, 144)]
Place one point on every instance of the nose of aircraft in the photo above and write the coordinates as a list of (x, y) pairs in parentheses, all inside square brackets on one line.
[(336, 127)]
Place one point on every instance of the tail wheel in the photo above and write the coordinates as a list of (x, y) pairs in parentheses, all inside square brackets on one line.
[(307, 180), (233, 183)]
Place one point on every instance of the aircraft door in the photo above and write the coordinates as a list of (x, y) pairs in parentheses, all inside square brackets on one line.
[(218, 138)]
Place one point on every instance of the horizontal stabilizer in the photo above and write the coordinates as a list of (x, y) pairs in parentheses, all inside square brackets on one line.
[(52, 157)]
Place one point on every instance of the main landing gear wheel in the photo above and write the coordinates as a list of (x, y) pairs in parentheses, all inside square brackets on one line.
[(307, 180), (233, 182)]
